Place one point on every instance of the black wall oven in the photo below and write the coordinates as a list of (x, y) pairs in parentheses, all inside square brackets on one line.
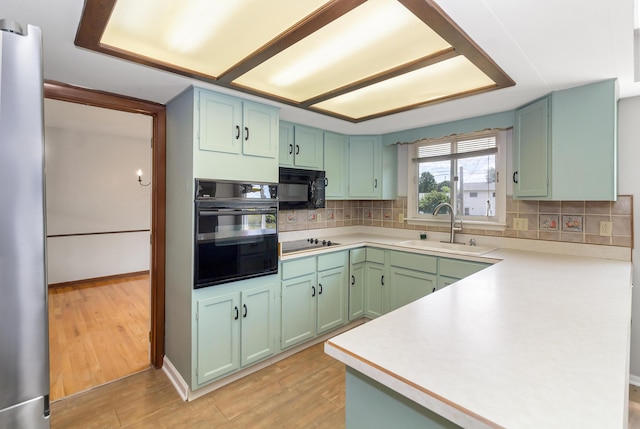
[(236, 231)]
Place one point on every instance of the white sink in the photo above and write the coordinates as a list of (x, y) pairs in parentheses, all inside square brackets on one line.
[(447, 247)]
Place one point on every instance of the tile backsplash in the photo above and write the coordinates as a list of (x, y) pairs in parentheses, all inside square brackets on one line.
[(575, 221)]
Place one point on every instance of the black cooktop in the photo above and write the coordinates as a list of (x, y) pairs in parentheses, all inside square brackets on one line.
[(302, 245)]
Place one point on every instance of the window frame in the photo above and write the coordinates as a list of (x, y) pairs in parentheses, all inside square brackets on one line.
[(498, 222)]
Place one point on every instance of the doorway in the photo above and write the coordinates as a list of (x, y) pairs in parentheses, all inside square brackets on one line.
[(63, 92)]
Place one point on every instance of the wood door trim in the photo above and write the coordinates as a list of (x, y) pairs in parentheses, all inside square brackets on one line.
[(73, 94)]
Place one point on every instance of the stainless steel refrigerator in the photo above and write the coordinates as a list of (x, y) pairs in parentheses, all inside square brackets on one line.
[(24, 344)]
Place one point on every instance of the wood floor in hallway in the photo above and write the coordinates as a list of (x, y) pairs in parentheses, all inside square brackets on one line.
[(98, 332)]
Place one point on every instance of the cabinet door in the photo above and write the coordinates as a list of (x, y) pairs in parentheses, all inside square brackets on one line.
[(364, 167), (308, 147), (409, 285), (260, 130), (584, 143), (298, 310), (356, 291), (444, 281), (285, 145), (335, 165), (374, 290), (331, 305), (220, 126), (531, 150), (218, 329), (257, 337)]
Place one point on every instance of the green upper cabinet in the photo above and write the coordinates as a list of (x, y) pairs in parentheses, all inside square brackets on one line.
[(301, 146), (286, 146), (234, 139), (220, 123), (335, 165), (531, 150), (372, 168), (565, 145), (365, 167), (259, 130)]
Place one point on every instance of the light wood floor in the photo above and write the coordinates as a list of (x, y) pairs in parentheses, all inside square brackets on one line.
[(305, 390), (98, 332)]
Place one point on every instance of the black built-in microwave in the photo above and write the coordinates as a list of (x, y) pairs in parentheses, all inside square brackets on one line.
[(301, 189)]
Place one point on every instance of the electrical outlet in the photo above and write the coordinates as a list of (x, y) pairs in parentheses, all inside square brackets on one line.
[(521, 224), (516, 223), (400, 217), (605, 228)]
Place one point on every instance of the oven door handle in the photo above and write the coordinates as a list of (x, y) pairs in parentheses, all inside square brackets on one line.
[(231, 212)]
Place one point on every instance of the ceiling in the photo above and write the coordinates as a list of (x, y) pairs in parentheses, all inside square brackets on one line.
[(543, 45)]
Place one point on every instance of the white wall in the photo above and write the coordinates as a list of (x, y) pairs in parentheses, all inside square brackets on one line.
[(629, 183), (92, 192)]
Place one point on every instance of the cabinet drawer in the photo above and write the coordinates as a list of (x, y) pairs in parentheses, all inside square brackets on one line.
[(332, 260), (414, 261), (375, 255), (459, 269), (298, 267), (358, 255)]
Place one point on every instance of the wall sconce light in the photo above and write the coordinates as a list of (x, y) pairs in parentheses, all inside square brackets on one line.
[(139, 172)]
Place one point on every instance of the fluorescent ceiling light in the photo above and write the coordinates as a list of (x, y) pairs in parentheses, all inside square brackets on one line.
[(352, 59)]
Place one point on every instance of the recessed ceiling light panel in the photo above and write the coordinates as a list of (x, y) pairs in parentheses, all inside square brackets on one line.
[(205, 36), (454, 77), (352, 59), (374, 37)]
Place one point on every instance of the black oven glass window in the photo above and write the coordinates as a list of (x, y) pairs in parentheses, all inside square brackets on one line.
[(235, 243)]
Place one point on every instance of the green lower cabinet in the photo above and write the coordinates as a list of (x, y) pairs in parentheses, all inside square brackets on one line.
[(444, 281), (235, 330), (409, 285), (375, 293), (298, 310), (314, 296), (374, 290), (258, 330), (357, 259), (331, 302), (411, 276), (452, 270), (218, 334)]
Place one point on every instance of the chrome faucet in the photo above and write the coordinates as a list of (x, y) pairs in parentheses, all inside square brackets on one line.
[(454, 228)]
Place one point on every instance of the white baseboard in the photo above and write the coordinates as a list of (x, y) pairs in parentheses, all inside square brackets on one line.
[(634, 379), (175, 378)]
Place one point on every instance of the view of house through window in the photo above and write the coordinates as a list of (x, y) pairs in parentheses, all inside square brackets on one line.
[(459, 170)]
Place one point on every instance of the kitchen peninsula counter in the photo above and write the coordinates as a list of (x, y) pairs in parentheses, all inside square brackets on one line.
[(537, 340)]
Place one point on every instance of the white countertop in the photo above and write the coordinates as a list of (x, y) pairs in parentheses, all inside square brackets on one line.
[(534, 341)]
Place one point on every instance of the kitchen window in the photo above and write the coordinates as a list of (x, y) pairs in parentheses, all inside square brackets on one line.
[(462, 170)]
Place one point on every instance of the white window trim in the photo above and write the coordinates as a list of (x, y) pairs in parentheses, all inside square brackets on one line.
[(503, 138)]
